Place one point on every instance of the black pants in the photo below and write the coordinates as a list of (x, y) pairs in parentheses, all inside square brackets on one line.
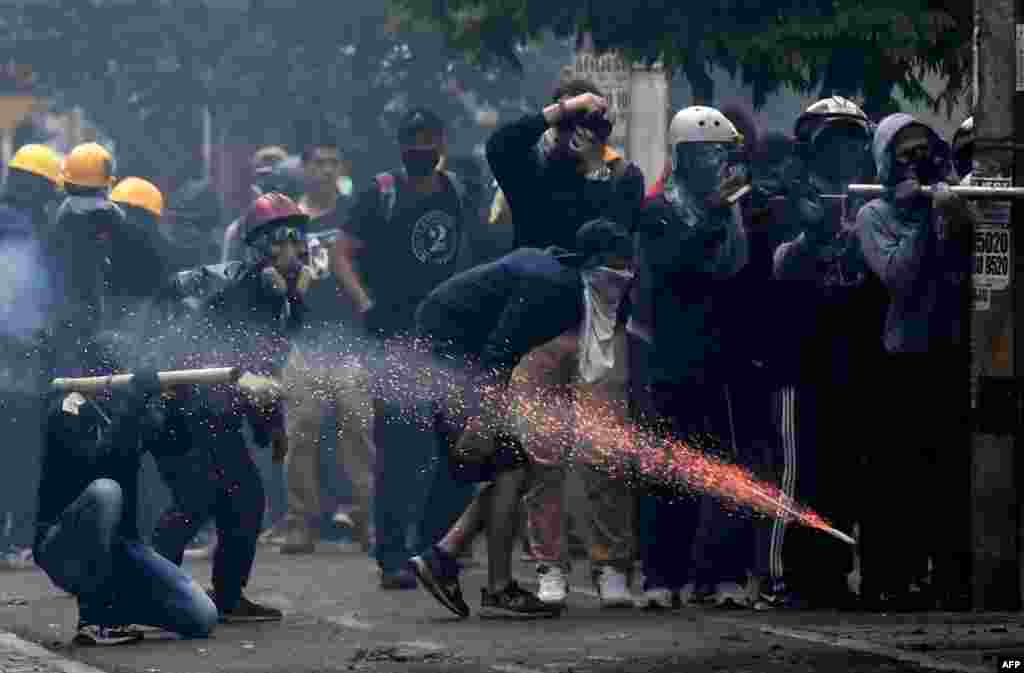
[(825, 437), (918, 504), (222, 484), (685, 536)]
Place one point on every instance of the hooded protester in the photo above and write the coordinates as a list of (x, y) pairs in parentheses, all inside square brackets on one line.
[(557, 171), (490, 317), (26, 295), (690, 239), (919, 246), (241, 314), (827, 310)]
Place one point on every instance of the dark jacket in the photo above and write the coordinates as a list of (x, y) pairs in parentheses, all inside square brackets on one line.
[(550, 202), (496, 313), (829, 309), (680, 300), (224, 315), (86, 442), (925, 273)]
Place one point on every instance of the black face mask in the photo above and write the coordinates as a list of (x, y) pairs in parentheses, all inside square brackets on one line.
[(420, 163)]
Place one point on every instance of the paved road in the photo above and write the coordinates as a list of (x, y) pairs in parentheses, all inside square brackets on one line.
[(338, 620)]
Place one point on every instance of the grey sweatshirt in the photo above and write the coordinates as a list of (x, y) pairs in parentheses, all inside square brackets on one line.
[(925, 273)]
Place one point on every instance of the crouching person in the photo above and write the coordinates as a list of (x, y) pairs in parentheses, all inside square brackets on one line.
[(87, 538)]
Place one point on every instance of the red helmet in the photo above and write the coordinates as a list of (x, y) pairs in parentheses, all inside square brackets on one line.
[(272, 216)]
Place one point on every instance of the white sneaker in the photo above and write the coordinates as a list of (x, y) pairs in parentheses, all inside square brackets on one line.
[(656, 599), (613, 588), (554, 586)]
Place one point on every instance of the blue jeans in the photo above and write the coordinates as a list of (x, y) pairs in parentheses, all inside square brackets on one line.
[(119, 581), (409, 463)]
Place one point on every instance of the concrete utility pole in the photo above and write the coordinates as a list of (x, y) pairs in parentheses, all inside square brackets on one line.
[(995, 507)]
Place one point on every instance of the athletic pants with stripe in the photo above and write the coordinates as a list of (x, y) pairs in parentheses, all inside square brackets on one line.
[(817, 461)]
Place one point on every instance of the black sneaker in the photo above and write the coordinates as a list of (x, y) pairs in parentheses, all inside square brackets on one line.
[(439, 574), (246, 611), (397, 580), (514, 602), (93, 634)]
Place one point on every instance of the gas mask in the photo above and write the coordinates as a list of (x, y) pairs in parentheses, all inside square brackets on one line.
[(700, 167), (419, 163), (604, 288), (919, 164), (840, 161)]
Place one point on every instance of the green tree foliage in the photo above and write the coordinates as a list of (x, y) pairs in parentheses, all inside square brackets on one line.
[(867, 47)]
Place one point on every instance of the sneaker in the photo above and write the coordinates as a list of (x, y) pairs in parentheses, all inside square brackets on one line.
[(246, 611), (201, 553), (514, 602), (439, 574), (613, 588), (554, 585), (775, 596), (655, 598), (398, 580), (299, 540), (275, 535), (93, 634)]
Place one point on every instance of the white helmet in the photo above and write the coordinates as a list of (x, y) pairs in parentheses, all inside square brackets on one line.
[(818, 115), (699, 124)]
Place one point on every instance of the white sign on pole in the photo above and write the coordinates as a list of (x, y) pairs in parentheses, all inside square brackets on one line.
[(611, 73), (992, 239), (982, 299)]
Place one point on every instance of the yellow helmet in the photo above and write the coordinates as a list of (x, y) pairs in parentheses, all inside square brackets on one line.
[(140, 194), (89, 165), (39, 160)]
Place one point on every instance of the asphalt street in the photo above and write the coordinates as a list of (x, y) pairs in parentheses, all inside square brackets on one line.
[(337, 619)]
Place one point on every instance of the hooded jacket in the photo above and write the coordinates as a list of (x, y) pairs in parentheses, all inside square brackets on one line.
[(925, 273), (550, 202)]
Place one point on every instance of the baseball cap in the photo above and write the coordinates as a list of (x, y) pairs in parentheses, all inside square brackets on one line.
[(598, 239)]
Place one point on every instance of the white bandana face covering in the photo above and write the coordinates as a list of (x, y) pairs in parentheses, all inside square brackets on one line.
[(603, 291)]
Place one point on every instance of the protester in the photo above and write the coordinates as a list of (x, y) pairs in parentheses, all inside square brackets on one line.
[(87, 539), (492, 316), (557, 172), (581, 375), (415, 220), (689, 240), (919, 246), (319, 377), (831, 322), (243, 315)]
